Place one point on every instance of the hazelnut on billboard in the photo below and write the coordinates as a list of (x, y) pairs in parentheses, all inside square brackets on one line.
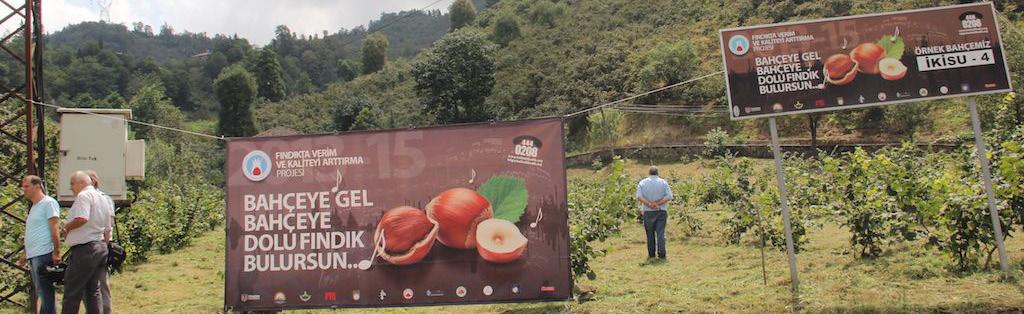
[(404, 235), (867, 56), (892, 69), (457, 212), (499, 241), (841, 69)]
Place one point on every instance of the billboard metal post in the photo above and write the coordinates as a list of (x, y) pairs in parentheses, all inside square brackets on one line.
[(986, 177), (784, 203)]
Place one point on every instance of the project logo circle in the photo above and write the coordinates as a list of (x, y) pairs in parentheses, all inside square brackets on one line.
[(256, 165), (739, 45)]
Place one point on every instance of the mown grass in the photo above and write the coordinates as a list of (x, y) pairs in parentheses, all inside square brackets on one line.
[(702, 274)]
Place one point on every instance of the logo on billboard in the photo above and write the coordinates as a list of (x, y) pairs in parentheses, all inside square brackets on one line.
[(330, 296), (305, 296), (970, 23), (488, 290), (250, 297), (256, 166), (526, 150), (279, 298), (739, 44), (460, 291), (407, 294), (435, 293)]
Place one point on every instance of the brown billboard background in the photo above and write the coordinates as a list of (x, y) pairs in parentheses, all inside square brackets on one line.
[(917, 28), (401, 167)]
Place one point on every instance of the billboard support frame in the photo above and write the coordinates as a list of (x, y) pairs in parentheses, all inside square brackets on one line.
[(986, 177), (780, 180), (986, 172)]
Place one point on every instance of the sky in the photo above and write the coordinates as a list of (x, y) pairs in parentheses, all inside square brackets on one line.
[(254, 20)]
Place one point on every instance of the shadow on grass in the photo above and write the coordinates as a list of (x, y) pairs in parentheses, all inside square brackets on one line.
[(956, 308), (654, 262)]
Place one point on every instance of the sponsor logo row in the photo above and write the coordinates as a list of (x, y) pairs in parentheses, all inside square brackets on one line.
[(383, 295), (861, 99)]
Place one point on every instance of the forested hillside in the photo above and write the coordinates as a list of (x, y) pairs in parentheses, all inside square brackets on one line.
[(99, 64), (555, 57)]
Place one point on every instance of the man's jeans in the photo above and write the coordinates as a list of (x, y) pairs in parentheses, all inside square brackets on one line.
[(654, 224), (44, 287)]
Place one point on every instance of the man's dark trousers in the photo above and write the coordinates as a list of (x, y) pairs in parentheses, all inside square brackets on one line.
[(654, 224), (82, 278)]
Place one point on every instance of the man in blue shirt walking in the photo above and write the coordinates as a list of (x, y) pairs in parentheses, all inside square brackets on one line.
[(42, 241), (654, 194)]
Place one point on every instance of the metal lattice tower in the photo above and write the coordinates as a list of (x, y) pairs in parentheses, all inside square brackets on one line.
[(23, 128), (104, 9)]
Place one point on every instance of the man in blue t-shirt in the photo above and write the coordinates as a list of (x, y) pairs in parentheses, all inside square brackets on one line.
[(42, 241), (654, 193)]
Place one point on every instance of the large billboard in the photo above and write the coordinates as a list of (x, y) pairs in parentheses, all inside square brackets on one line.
[(471, 213), (860, 61)]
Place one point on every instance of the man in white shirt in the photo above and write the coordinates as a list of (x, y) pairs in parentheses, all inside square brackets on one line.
[(104, 281), (87, 230)]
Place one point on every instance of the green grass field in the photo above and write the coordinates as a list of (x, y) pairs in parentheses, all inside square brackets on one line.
[(702, 274)]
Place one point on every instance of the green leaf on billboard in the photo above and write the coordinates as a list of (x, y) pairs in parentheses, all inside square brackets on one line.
[(893, 46), (507, 195)]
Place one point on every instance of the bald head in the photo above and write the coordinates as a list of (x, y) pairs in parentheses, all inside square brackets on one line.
[(652, 171), (79, 181)]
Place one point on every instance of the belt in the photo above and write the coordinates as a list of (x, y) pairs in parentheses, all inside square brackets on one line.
[(81, 244)]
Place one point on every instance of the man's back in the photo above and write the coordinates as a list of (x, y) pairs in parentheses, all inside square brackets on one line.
[(654, 188)]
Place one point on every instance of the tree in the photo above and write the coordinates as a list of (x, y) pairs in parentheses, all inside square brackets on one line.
[(506, 29), (215, 64), (166, 30), (461, 13), (348, 70), (269, 76), (345, 114), (235, 89), (178, 87), (284, 41), (663, 65), (906, 119), (150, 105), (545, 12), (455, 77), (375, 52)]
